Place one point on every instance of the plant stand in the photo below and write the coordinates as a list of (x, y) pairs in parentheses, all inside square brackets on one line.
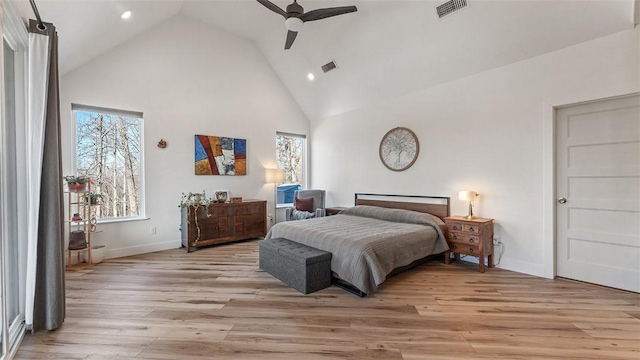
[(79, 228)]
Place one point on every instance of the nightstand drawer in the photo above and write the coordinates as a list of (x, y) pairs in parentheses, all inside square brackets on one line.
[(454, 226), (472, 228), (464, 249), (464, 238)]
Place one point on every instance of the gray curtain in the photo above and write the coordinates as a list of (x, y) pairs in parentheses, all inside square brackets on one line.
[(49, 296)]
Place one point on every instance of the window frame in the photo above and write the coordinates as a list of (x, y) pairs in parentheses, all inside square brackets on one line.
[(13, 31), (305, 162), (74, 155)]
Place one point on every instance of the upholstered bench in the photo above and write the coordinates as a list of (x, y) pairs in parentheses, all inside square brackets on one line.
[(302, 267)]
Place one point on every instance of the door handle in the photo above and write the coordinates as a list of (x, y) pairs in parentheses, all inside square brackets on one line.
[(562, 200)]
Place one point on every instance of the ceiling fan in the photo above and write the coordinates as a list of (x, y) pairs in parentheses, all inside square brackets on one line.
[(295, 16)]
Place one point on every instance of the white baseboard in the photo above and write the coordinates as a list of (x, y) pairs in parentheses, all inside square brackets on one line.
[(141, 249), (513, 265), (521, 266)]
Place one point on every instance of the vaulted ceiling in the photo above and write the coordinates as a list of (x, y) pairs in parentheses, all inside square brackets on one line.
[(386, 49)]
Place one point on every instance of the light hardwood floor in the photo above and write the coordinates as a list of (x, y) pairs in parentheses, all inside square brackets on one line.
[(216, 304)]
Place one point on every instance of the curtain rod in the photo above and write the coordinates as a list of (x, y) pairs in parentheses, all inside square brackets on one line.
[(35, 11)]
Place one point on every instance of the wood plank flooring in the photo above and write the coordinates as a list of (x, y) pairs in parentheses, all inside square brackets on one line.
[(216, 304)]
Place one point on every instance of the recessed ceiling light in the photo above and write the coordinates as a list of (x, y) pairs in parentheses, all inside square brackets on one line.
[(125, 15), (310, 76)]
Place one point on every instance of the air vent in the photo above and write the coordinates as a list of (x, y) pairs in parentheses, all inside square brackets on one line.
[(450, 6), (329, 66)]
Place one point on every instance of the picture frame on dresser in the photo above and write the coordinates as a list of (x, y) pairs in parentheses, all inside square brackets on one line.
[(221, 196)]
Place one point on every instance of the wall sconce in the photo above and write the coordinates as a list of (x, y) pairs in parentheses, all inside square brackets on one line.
[(469, 196)]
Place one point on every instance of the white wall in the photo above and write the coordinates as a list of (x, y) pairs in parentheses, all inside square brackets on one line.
[(484, 132), (187, 78)]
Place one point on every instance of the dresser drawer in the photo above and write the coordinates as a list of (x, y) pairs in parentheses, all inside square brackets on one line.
[(464, 249), (454, 226), (471, 228), (464, 238)]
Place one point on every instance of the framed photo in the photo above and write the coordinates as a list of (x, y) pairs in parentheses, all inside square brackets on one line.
[(222, 196)]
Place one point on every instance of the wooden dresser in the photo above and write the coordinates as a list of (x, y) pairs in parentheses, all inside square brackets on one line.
[(470, 237), (223, 223)]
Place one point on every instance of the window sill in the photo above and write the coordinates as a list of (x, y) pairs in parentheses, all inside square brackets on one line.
[(120, 220), (284, 206)]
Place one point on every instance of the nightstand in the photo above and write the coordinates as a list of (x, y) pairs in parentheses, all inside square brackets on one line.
[(333, 210), (470, 237)]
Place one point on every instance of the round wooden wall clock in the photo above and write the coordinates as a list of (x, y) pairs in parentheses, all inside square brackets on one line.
[(399, 149)]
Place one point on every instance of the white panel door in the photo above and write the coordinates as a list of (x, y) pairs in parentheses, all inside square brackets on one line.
[(598, 189)]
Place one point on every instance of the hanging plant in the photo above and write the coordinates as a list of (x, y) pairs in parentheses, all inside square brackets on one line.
[(194, 202)]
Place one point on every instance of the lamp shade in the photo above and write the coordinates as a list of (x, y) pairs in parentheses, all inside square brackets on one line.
[(274, 176), (467, 195)]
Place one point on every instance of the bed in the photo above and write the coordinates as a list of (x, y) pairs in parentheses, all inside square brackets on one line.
[(382, 233)]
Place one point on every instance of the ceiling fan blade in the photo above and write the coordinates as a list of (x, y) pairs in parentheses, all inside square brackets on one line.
[(291, 36), (273, 7), (328, 12)]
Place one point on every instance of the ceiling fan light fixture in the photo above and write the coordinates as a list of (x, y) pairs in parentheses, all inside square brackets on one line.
[(294, 24), (295, 17), (125, 15)]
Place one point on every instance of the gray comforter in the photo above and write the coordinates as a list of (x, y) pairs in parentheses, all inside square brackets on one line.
[(368, 242)]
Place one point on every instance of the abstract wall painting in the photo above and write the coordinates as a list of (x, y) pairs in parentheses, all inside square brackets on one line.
[(216, 155)]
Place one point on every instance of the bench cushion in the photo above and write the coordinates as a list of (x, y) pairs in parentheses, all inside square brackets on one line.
[(302, 267)]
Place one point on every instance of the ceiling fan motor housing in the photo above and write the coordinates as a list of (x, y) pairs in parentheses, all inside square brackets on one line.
[(294, 9), (293, 21)]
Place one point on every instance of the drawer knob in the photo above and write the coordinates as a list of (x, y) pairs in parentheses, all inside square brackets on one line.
[(454, 236), (471, 229), (454, 227), (471, 240), (470, 250)]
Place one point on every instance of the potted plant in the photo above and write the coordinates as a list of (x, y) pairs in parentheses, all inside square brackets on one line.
[(92, 198), (76, 183), (76, 217), (193, 203)]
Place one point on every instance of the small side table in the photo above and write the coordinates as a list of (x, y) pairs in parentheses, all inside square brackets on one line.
[(333, 210), (470, 237)]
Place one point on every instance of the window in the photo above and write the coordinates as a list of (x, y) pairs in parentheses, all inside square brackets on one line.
[(109, 150), (291, 157), (13, 173)]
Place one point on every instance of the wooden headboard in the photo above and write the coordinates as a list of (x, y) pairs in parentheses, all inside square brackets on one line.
[(434, 205)]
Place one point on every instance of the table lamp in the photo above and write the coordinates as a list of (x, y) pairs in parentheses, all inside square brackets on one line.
[(468, 196)]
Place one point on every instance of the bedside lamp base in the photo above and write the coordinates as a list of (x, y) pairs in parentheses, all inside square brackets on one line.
[(470, 216)]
